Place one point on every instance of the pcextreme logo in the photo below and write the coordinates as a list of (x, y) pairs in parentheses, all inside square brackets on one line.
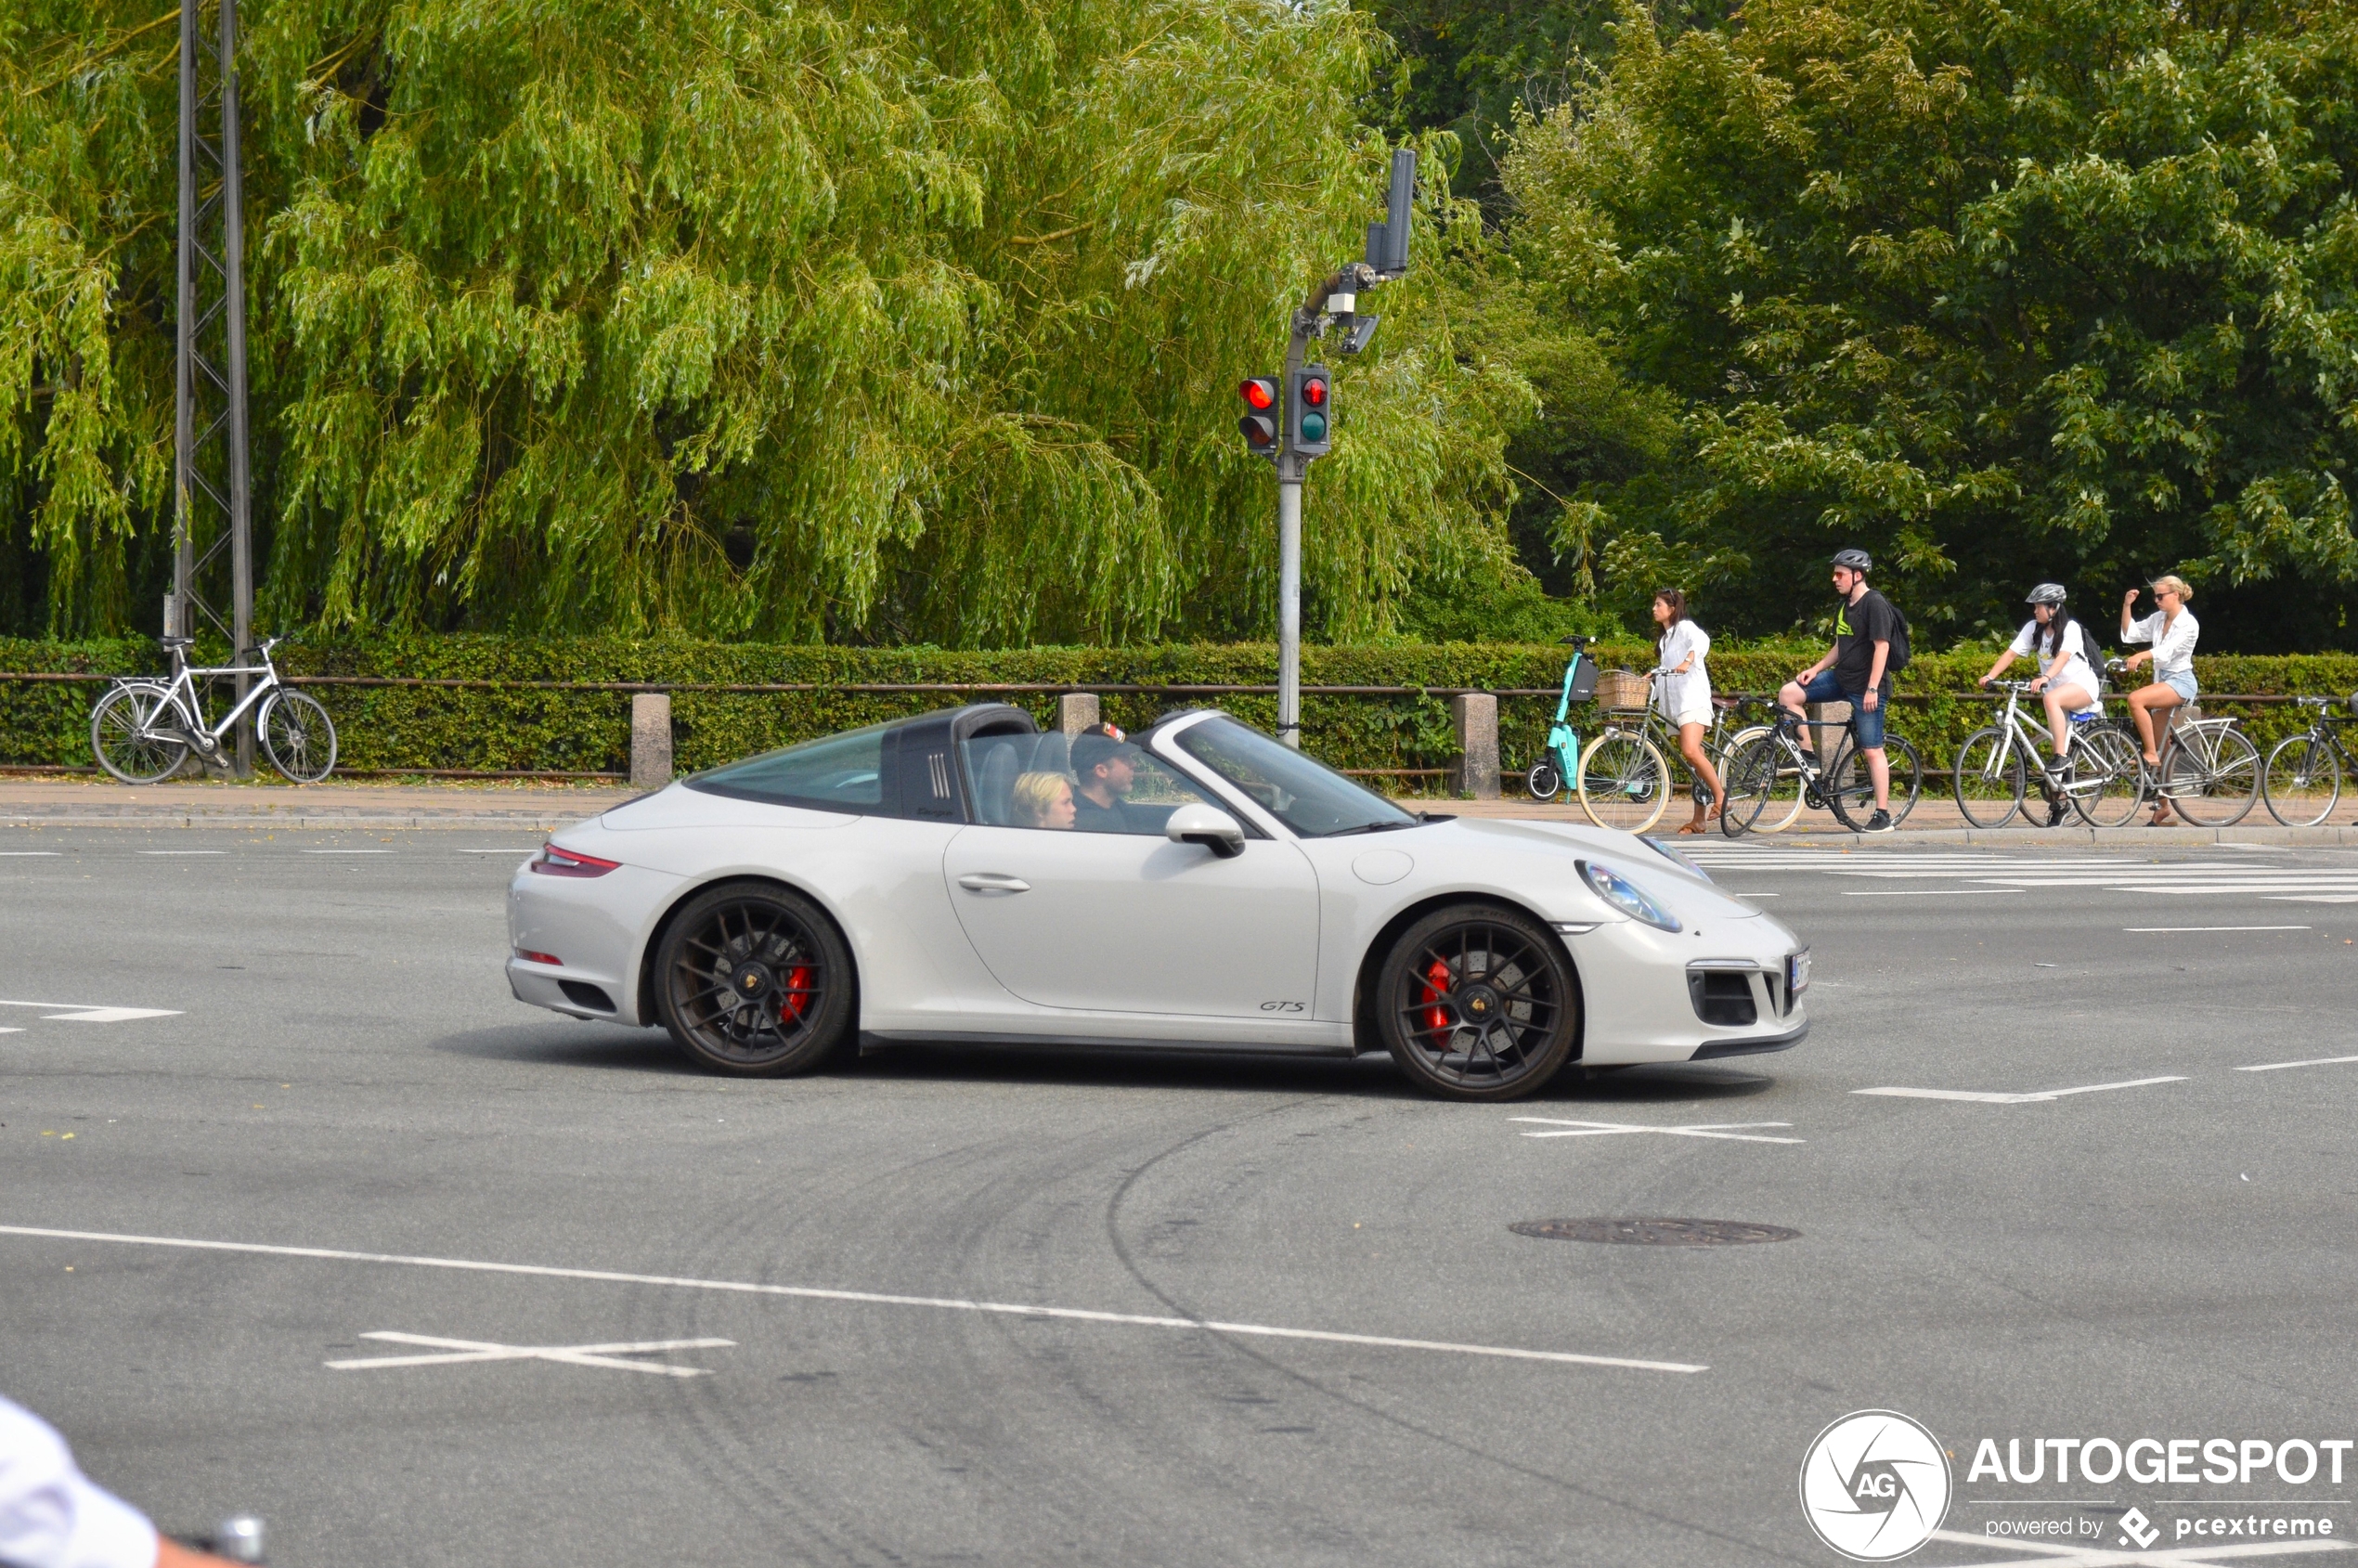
[(1874, 1485)]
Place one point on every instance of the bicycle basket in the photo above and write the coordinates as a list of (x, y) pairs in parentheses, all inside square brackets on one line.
[(1621, 692), (1584, 681)]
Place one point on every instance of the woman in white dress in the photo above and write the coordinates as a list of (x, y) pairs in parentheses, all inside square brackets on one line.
[(2171, 630), (1683, 688)]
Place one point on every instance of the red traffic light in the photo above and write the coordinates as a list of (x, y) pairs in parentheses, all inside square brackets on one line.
[(1314, 392), (1259, 392)]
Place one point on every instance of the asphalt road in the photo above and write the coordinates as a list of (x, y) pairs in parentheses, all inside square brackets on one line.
[(334, 1063)]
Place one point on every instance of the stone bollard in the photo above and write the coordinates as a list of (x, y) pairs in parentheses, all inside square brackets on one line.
[(1075, 712), (1474, 716), (650, 740), (1826, 722)]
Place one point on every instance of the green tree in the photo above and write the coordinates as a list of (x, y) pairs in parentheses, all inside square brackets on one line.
[(2001, 291), (872, 321)]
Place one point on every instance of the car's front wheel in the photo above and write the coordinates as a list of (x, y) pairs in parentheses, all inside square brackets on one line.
[(754, 980), (1478, 1003)]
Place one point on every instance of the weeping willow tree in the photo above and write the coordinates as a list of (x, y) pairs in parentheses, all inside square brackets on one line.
[(865, 319)]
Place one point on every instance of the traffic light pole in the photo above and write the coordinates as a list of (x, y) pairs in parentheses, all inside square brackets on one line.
[(1291, 467)]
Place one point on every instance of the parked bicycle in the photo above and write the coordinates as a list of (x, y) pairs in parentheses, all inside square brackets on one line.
[(1764, 768), (144, 729), (2101, 780), (2302, 781)]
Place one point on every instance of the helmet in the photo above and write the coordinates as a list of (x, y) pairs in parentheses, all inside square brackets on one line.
[(2048, 593), (1857, 560)]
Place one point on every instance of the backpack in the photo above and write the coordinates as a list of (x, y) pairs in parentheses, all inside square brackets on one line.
[(1896, 660), (2093, 652)]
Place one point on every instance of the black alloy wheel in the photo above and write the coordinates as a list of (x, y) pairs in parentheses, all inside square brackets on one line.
[(754, 980), (1478, 1003)]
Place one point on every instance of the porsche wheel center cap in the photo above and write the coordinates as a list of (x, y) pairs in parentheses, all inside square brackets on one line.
[(1480, 1002), (752, 980)]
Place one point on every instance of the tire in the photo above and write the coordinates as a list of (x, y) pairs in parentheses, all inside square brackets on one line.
[(2218, 794), (1478, 1003), (1852, 794), (116, 740), (1623, 782), (2112, 756), (1545, 779), (2302, 782), (1988, 780), (1753, 774), (299, 736), (1784, 805), (751, 978)]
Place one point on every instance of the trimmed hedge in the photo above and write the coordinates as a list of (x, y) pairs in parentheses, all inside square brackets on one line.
[(522, 727)]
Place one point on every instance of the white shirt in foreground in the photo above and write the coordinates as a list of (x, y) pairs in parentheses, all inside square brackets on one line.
[(2173, 645), (1686, 699), (50, 1514), (2070, 669)]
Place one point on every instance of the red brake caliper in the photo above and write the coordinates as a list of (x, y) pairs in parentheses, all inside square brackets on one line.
[(1436, 987), (795, 995)]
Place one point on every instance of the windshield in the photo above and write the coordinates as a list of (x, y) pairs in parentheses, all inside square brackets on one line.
[(1307, 795)]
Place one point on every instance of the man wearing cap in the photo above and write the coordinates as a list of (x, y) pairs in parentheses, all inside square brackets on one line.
[(1103, 769)]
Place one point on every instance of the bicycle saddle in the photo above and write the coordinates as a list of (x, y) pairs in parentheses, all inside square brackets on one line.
[(177, 641), (1720, 702), (1575, 642)]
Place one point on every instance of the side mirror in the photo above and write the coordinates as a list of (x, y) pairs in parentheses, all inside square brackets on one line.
[(1207, 825)]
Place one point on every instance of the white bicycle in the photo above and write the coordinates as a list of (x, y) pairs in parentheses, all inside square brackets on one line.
[(144, 729)]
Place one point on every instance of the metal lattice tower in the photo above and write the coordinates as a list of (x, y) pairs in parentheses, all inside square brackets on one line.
[(213, 488)]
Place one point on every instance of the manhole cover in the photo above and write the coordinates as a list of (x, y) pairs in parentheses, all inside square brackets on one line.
[(1654, 1233)]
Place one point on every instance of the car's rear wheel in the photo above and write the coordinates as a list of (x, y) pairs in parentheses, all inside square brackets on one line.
[(754, 980), (1478, 1003)]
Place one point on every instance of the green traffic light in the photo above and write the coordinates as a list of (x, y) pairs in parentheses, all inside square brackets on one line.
[(1314, 427)]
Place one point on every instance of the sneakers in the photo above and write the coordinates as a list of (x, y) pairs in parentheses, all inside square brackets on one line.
[(2057, 766), (2055, 813), (1879, 822)]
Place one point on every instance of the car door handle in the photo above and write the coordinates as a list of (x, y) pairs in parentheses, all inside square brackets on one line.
[(993, 882)]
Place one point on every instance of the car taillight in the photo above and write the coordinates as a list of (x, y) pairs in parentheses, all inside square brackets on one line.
[(554, 862), (531, 957)]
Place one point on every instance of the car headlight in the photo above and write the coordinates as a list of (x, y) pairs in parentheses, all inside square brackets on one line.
[(1675, 858), (1627, 896), (1796, 972)]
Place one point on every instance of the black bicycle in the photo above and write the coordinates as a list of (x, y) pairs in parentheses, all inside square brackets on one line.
[(2302, 781), (1762, 769)]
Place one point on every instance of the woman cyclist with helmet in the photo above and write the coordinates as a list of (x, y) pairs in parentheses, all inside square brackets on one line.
[(2066, 682), (2171, 630)]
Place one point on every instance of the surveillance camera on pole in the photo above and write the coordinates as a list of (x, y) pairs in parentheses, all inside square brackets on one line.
[(1302, 402)]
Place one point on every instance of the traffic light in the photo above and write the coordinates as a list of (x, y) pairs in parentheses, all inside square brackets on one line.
[(1260, 424), (1311, 412)]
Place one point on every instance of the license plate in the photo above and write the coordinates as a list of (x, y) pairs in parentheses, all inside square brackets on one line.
[(1796, 972)]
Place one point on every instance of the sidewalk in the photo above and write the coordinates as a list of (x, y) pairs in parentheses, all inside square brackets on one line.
[(36, 801)]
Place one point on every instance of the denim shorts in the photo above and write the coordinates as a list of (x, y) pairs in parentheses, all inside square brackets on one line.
[(1866, 721), (2180, 681)]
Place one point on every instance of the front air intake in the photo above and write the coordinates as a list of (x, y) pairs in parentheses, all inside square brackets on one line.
[(1722, 997)]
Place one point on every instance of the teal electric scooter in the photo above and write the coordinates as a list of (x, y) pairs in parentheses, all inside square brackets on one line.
[(1559, 764)]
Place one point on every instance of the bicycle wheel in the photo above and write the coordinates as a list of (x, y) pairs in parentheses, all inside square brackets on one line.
[(120, 737), (1545, 779), (1907, 776), (2103, 787), (1988, 780), (299, 736), (1782, 787), (2302, 782), (2213, 778), (1851, 792), (1623, 783), (1752, 772)]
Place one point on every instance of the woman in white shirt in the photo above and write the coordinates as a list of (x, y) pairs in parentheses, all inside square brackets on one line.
[(2065, 685), (2171, 630), (1683, 688)]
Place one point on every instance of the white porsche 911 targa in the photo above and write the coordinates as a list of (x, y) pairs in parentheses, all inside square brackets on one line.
[(942, 878)]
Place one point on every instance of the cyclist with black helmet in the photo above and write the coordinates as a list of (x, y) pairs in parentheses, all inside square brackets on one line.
[(2066, 682), (1856, 670)]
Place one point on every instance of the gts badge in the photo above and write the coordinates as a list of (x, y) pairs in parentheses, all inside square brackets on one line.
[(1284, 1007)]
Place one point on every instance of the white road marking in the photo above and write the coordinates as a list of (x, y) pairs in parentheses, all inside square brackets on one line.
[(456, 1351), (24, 854), (1702, 1130), (869, 1298), (2151, 930), (1736, 895), (2056, 1555), (183, 852), (1924, 892), (348, 851), (86, 1012), (2313, 1061), (10, 1030), (2313, 898), (2037, 1097)]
